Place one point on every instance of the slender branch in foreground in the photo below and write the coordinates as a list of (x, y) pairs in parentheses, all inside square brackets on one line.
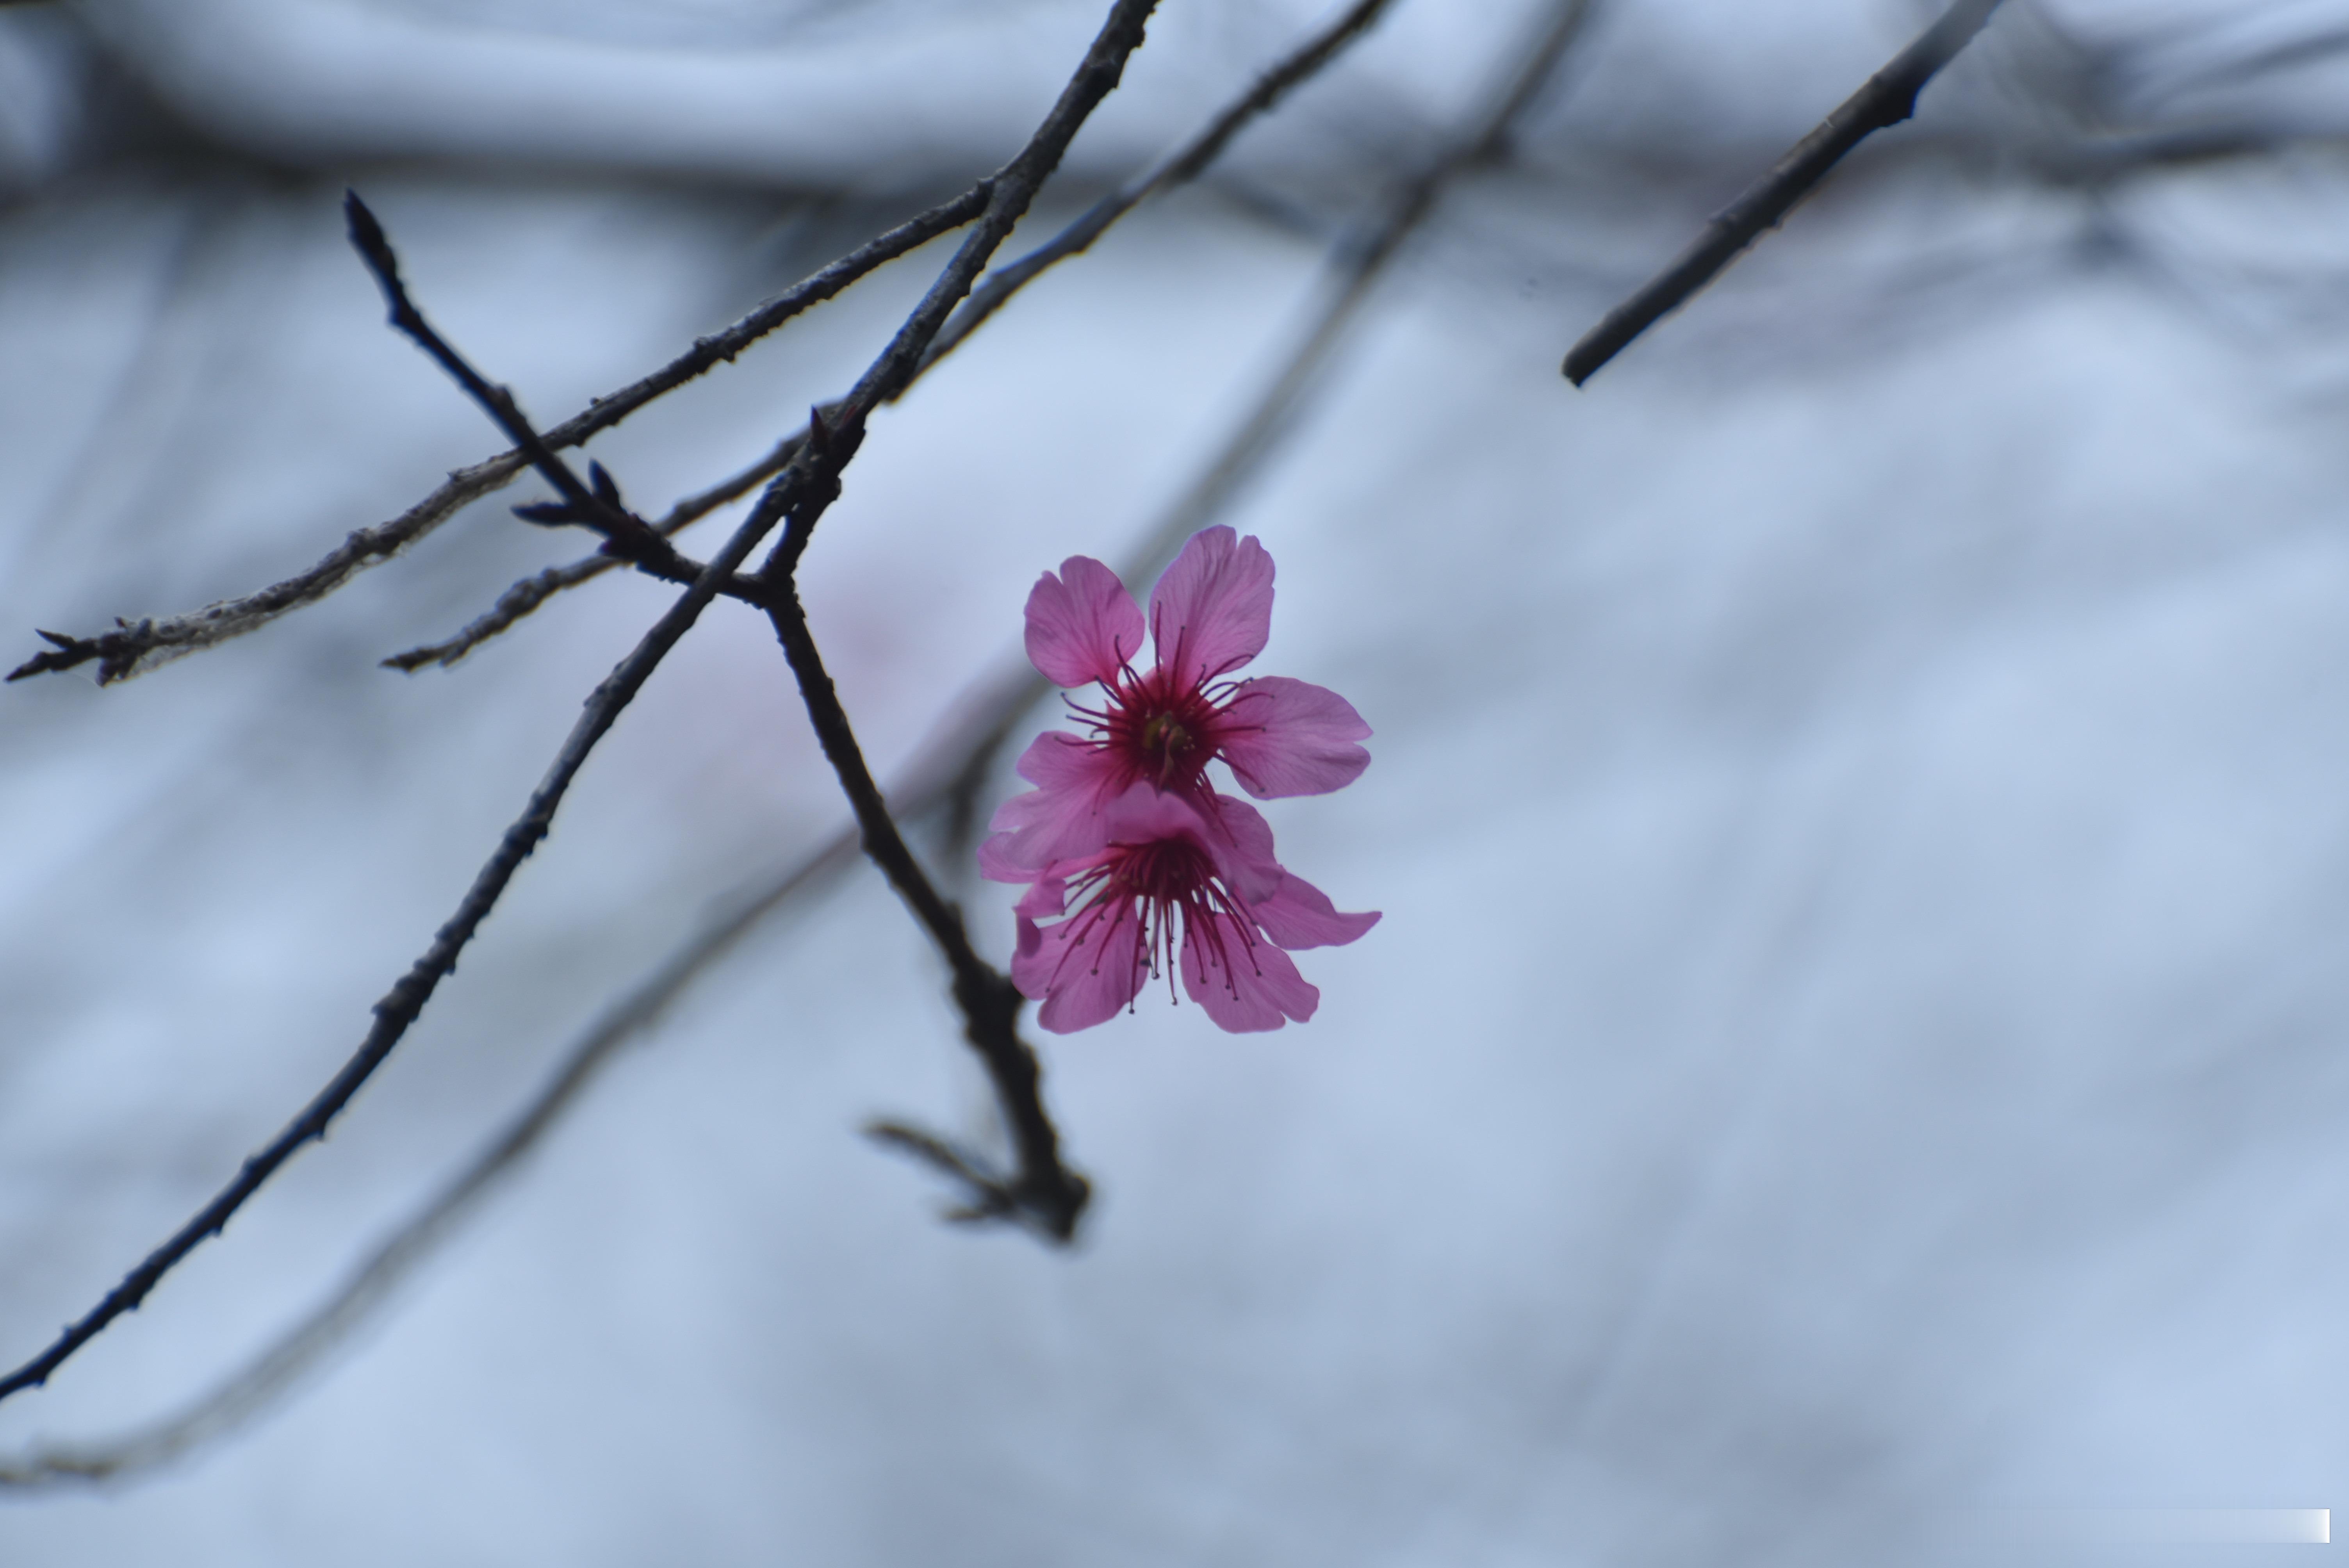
[(1178, 167), (405, 1001), (135, 647), (253, 1387), (1888, 98), (528, 594), (1045, 1193), (626, 534)]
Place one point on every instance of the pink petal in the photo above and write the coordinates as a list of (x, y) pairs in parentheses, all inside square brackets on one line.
[(1212, 611), (999, 859), (1241, 842), (1301, 915), (1062, 819), (1246, 987), (1291, 737), (1086, 968), (1082, 624), (1050, 897), (1140, 814)]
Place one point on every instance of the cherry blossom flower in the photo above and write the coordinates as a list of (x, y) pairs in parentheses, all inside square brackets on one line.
[(1209, 616), (1238, 911)]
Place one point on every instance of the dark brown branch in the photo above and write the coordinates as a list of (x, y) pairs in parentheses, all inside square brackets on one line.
[(135, 646), (975, 728), (527, 595), (1045, 1191), (626, 535), (405, 1001), (1888, 98)]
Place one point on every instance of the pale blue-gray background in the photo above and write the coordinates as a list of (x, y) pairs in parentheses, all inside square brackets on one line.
[(1861, 797)]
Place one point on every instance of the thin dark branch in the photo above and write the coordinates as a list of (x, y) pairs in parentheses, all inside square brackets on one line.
[(1888, 98), (249, 1390), (1045, 1190), (402, 1005), (528, 594), (133, 647), (1179, 167), (626, 535)]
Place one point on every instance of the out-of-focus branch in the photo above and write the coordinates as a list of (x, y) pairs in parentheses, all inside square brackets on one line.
[(133, 647), (1178, 167), (1888, 98)]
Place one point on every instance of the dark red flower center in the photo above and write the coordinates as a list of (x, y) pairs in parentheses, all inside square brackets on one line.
[(1147, 884), (1162, 732)]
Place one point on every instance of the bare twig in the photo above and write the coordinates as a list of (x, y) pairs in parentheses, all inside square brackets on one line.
[(133, 647), (1178, 167), (626, 535), (1888, 98), (1045, 1191), (528, 594)]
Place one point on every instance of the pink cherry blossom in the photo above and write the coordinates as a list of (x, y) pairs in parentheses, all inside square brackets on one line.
[(1209, 616), (1162, 858)]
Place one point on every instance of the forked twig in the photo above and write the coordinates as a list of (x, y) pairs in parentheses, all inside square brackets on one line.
[(133, 647)]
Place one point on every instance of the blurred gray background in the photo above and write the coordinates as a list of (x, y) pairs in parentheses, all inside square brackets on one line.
[(1861, 797)]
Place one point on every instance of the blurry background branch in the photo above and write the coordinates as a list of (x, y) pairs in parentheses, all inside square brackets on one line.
[(269, 1375)]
